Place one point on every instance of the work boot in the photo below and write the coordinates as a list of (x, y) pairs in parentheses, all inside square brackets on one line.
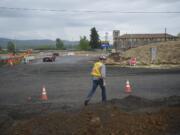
[(86, 102)]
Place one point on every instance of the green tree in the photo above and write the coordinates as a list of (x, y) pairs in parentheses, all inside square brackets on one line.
[(94, 39), (59, 44), (0, 48), (84, 43), (11, 47)]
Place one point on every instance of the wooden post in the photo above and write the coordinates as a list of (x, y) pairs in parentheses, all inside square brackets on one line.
[(165, 35)]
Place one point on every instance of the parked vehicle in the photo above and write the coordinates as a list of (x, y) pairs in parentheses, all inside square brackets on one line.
[(49, 58), (56, 54)]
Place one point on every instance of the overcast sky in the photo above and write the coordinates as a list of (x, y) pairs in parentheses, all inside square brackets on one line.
[(74, 20)]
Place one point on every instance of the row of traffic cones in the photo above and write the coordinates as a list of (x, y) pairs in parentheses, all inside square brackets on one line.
[(128, 89), (44, 96)]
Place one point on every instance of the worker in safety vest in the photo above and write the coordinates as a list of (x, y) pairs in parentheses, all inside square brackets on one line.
[(98, 76)]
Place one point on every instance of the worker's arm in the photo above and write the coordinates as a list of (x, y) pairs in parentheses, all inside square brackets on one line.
[(103, 74), (103, 71)]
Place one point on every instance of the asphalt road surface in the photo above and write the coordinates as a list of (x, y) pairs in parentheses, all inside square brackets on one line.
[(68, 81)]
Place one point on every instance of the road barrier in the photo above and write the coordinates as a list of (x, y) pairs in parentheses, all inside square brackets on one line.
[(11, 59)]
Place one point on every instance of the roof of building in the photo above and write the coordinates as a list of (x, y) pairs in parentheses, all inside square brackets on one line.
[(156, 35)]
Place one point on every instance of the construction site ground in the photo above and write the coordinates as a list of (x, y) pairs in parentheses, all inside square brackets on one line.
[(152, 108)]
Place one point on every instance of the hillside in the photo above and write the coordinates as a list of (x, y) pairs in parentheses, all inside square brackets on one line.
[(167, 53), (24, 44)]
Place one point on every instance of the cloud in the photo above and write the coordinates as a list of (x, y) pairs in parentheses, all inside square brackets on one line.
[(74, 20)]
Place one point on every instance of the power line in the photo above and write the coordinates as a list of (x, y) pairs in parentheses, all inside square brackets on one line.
[(92, 11)]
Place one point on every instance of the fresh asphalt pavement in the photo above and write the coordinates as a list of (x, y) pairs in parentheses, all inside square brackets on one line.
[(68, 81)]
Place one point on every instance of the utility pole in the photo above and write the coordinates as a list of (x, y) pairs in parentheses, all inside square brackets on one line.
[(106, 40), (131, 40), (14, 44), (106, 36), (165, 34), (116, 34)]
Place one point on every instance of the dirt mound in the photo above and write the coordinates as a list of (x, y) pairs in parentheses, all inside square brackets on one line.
[(134, 102), (101, 120), (5, 122), (116, 58), (167, 53), (116, 117)]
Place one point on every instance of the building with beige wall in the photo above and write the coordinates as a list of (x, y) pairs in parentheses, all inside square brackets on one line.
[(127, 41)]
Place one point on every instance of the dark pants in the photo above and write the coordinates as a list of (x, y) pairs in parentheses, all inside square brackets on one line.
[(95, 85)]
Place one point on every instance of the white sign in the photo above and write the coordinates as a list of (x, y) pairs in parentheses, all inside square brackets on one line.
[(153, 54)]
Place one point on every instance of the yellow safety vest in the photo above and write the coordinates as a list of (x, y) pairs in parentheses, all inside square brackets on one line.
[(96, 69)]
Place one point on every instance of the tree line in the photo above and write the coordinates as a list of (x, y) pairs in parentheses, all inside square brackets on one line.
[(84, 43)]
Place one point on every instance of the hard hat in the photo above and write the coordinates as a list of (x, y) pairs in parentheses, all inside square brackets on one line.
[(102, 57)]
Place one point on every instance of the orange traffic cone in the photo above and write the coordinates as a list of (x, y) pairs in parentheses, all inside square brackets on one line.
[(44, 94), (10, 62), (128, 87)]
